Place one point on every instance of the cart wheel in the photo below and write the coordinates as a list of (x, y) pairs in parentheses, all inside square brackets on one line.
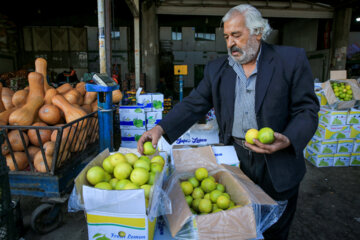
[(46, 218)]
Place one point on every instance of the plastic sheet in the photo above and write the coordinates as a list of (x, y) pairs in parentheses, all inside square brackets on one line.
[(258, 211)]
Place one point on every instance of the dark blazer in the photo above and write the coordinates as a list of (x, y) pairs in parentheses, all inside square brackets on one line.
[(284, 101)]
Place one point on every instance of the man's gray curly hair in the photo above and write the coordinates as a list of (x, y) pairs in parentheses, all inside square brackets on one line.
[(254, 21)]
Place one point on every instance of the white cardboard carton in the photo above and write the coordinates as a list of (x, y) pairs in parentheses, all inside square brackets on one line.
[(157, 100), (323, 160), (145, 100), (332, 117), (226, 155), (129, 137), (325, 132), (152, 119), (345, 146), (325, 146), (356, 148), (355, 159), (353, 116), (355, 131), (132, 117), (341, 159)]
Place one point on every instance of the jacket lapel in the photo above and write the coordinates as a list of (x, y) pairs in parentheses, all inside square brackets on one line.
[(228, 90), (265, 72)]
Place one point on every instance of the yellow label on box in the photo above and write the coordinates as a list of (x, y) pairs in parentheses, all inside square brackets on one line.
[(355, 131), (134, 223), (180, 70)]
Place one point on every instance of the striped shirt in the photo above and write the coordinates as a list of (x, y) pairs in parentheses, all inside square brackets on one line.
[(244, 108)]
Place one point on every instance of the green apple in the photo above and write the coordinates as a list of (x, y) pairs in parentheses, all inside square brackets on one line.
[(95, 175), (145, 158), (130, 185), (152, 176), (113, 182), (148, 148), (143, 164), (158, 159), (147, 189), (155, 167), (103, 185), (131, 158), (117, 158), (139, 176), (108, 167), (107, 177), (121, 184), (122, 170)]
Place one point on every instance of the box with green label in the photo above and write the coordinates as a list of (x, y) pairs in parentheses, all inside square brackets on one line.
[(356, 148), (345, 146), (341, 159), (332, 117), (129, 137), (157, 101), (152, 119), (355, 131), (145, 100), (353, 116), (325, 146), (309, 153), (323, 160), (355, 159), (325, 132), (132, 117)]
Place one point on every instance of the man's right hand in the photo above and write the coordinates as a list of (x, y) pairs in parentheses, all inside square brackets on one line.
[(152, 135)]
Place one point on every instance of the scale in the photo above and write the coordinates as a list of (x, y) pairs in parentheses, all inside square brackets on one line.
[(104, 85)]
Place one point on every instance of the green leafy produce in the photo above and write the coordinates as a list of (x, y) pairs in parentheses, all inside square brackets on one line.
[(343, 149), (336, 121), (340, 136), (327, 150), (138, 123), (323, 163), (354, 121), (339, 163)]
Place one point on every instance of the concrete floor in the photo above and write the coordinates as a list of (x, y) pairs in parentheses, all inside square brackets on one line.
[(328, 208)]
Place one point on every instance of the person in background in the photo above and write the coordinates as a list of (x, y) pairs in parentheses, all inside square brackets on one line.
[(71, 76), (257, 85)]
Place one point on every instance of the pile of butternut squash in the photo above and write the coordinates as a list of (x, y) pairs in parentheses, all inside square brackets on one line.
[(42, 105)]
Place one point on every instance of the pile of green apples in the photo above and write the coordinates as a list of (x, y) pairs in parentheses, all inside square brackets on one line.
[(342, 91), (204, 195), (127, 171)]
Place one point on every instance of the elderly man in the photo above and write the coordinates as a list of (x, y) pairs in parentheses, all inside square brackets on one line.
[(258, 85)]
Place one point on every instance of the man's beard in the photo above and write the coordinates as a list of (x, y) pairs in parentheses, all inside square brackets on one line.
[(248, 53)]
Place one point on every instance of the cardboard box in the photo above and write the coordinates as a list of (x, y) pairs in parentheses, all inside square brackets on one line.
[(334, 102), (325, 146), (341, 159), (321, 97), (355, 159), (145, 100), (157, 100), (323, 160), (332, 117), (345, 146), (226, 155), (129, 137), (152, 119), (337, 74), (117, 214), (355, 131), (353, 116), (132, 117), (356, 148), (237, 223), (325, 132)]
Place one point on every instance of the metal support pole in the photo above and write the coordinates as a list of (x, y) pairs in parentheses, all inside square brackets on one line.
[(137, 51), (181, 82), (108, 36), (101, 25)]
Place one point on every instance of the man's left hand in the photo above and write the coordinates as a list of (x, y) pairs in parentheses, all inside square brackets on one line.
[(280, 142)]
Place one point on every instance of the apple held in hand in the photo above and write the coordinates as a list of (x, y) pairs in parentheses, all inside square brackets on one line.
[(148, 148)]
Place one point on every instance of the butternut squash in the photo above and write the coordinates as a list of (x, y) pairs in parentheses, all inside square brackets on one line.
[(81, 88), (50, 93), (6, 97), (94, 106), (116, 96), (39, 162), (50, 114), (45, 134), (79, 141), (2, 107), (87, 108), (71, 113), (64, 88), (15, 141), (19, 98), (72, 96), (25, 115), (41, 67), (20, 159), (66, 137), (32, 150), (36, 86), (49, 148), (4, 116), (90, 97)]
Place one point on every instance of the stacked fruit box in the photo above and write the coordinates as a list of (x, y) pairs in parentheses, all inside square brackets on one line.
[(336, 141)]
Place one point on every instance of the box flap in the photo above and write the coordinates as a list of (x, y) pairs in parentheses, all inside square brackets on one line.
[(337, 74), (114, 201), (189, 159)]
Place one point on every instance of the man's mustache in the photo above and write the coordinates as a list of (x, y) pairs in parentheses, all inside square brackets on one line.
[(236, 49)]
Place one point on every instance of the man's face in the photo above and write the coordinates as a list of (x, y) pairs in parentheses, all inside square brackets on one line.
[(242, 46)]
